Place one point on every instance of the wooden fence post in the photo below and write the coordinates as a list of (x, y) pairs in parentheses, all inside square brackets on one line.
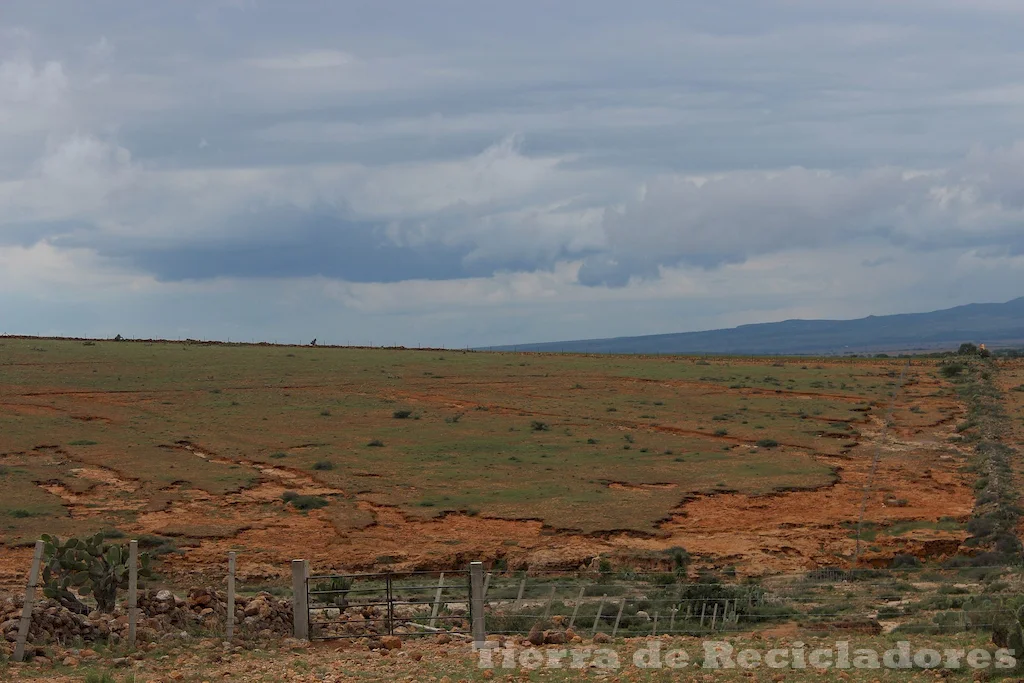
[(437, 601), (133, 591), (714, 617), (487, 584), (476, 604), (300, 604), (26, 610), (654, 628), (231, 596)]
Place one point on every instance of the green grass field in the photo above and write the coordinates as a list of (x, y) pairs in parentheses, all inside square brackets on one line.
[(584, 443)]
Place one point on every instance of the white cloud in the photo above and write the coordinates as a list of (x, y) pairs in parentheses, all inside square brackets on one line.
[(22, 81)]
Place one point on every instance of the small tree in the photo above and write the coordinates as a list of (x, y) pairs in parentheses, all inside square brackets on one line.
[(88, 566)]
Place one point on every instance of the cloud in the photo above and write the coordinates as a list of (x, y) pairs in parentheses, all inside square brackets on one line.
[(464, 171), (730, 217), (23, 82)]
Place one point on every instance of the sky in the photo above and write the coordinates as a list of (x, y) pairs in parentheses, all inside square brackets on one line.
[(475, 172)]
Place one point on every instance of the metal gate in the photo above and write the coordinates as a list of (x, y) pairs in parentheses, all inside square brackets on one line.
[(388, 603)]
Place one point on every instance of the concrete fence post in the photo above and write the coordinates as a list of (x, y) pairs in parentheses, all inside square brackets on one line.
[(300, 604), (437, 601), (519, 598), (597, 617), (551, 599), (26, 610), (476, 604), (618, 617), (576, 607), (133, 591), (231, 596)]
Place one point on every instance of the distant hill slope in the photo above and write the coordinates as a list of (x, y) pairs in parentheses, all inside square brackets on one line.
[(992, 324)]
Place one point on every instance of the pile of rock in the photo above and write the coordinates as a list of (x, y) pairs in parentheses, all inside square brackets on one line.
[(161, 615), (50, 622), (261, 614)]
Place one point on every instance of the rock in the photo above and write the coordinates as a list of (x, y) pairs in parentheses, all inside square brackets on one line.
[(554, 638), (69, 661), (602, 638), (536, 636), (391, 642), (120, 661), (41, 661), (415, 656), (643, 615), (443, 639), (165, 596)]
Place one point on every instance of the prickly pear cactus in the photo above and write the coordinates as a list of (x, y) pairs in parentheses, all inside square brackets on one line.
[(88, 566)]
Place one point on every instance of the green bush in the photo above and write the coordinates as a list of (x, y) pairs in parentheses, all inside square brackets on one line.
[(323, 465), (401, 414), (300, 502), (951, 370), (767, 443)]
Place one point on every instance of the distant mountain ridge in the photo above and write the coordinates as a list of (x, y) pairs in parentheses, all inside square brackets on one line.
[(992, 324)]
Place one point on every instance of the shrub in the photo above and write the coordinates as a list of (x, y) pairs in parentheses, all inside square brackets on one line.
[(680, 559), (401, 414), (539, 426), (951, 370), (323, 465), (278, 455), (767, 443), (334, 591), (325, 413), (591, 441), (903, 561), (376, 443), (721, 432), (304, 502), (82, 442)]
